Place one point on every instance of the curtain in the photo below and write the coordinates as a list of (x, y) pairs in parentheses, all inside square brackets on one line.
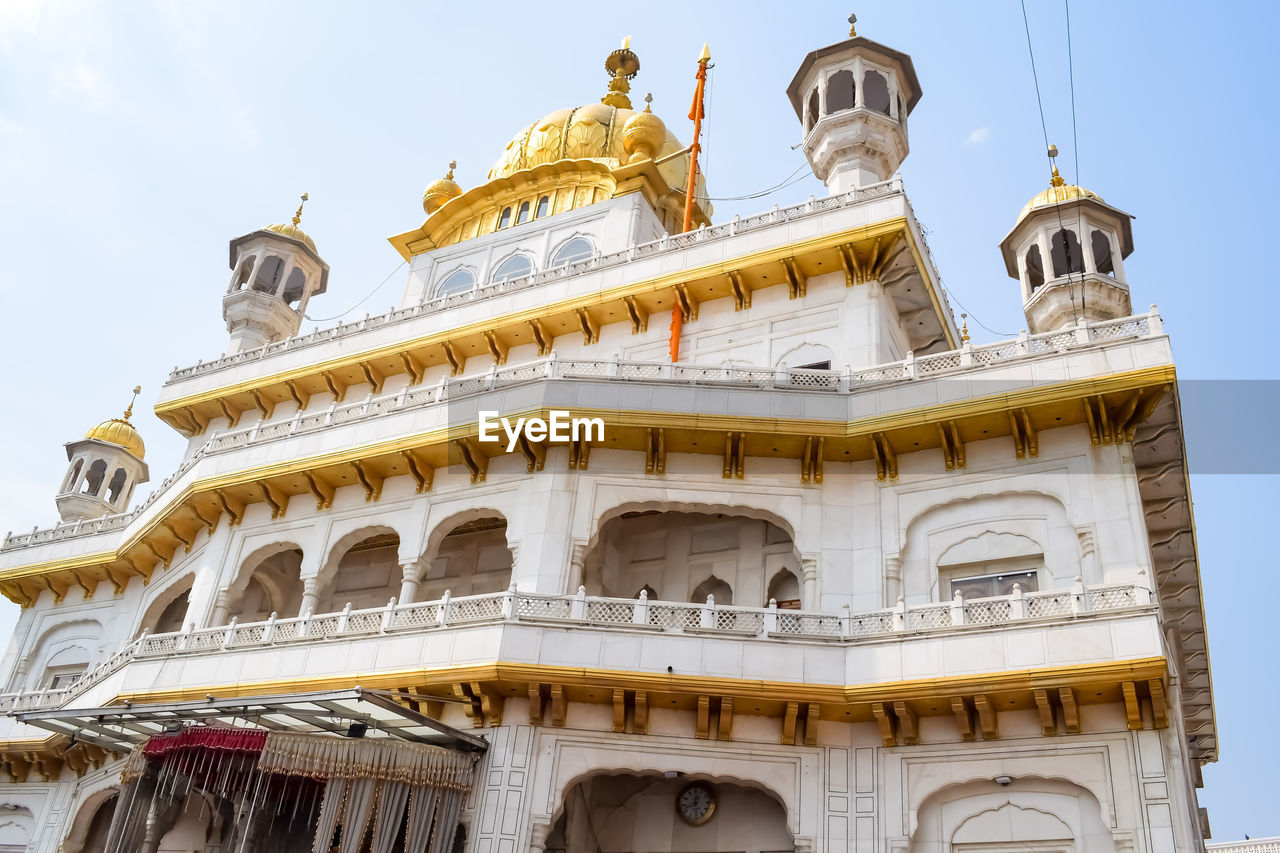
[(386, 823), (328, 757), (334, 794), (356, 820), (446, 821), (422, 812)]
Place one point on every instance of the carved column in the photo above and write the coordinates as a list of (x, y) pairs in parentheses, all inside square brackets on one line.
[(221, 606), (809, 565), (310, 596), (577, 563), (410, 571), (892, 578)]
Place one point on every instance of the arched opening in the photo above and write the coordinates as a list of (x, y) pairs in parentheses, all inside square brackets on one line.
[(93, 478), (504, 218), (240, 278), (574, 250), (458, 281), (472, 558), (1064, 248), (522, 214), (784, 589), (1101, 246), (273, 585), (17, 825), (72, 476), (367, 574), (88, 833), (840, 91), (1035, 267), (171, 618), (544, 204), (515, 266), (632, 811), (719, 591), (269, 275), (685, 555), (294, 286), (116, 487), (812, 116), (875, 91), (807, 357), (648, 591), (64, 667)]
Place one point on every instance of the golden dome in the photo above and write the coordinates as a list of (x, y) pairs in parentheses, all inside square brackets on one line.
[(1059, 191), (643, 135), (119, 431), (595, 132), (441, 191), (292, 230)]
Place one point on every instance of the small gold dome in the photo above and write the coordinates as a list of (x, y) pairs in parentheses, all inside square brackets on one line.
[(643, 135), (292, 230), (120, 431), (1059, 191), (441, 191)]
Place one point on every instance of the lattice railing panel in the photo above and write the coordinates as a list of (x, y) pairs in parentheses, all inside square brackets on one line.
[(543, 608), (474, 609), (610, 612), (1111, 598), (987, 611), (1053, 604), (669, 616), (929, 616)]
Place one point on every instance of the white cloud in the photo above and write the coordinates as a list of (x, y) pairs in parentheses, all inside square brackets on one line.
[(982, 134), (81, 82)]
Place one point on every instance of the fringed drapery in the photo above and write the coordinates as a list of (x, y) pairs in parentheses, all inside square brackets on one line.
[(328, 757), (386, 823)]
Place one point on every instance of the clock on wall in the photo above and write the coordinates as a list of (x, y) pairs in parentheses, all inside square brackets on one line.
[(696, 803)]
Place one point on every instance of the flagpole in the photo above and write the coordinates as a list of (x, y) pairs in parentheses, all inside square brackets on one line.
[(695, 114)]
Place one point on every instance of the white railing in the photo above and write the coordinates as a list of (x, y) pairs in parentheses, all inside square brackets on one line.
[(669, 243), (1252, 845), (599, 612), (765, 378)]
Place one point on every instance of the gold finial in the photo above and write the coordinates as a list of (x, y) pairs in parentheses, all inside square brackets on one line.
[(297, 216), (128, 412), (964, 328), (1056, 180), (648, 102), (453, 164), (705, 56), (853, 20), (622, 65)]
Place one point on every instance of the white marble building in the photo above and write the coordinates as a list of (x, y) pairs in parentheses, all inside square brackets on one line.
[(835, 579)]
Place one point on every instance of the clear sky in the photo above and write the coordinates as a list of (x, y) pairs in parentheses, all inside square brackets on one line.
[(137, 138)]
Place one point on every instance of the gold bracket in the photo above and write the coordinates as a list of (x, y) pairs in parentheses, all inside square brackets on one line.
[(422, 473), (885, 456), (279, 502), (299, 394), (1048, 725), (964, 717), (370, 479), (267, 407), (496, 348), (639, 316), (590, 331), (655, 452), (811, 460), (412, 367), (475, 460), (231, 414), (908, 723), (987, 717), (373, 377), (887, 723), (741, 292), (534, 452), (230, 506), (797, 283), (456, 362), (687, 303), (1070, 713), (335, 388), (543, 338), (735, 451), (322, 490), (173, 531), (579, 454)]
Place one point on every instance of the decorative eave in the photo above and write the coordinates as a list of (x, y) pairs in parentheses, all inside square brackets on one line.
[(234, 249), (1113, 406), (861, 253), (1065, 212), (885, 54)]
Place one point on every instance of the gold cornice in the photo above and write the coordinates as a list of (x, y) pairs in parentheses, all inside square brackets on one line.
[(203, 502), (193, 411)]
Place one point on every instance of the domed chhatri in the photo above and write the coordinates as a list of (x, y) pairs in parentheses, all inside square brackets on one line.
[(120, 431), (1058, 191), (438, 193), (292, 230)]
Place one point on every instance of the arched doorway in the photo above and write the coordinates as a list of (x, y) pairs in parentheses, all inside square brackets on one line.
[(668, 813), (367, 572), (472, 558)]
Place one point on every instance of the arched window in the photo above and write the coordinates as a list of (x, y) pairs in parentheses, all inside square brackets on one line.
[(544, 204), (840, 91), (295, 286), (504, 219), (1102, 253), (875, 92), (514, 266), (93, 479), (116, 486), (1064, 248), (577, 249), (522, 215), (458, 281), (269, 275), (785, 590), (813, 109), (715, 587), (1035, 267), (241, 277), (71, 477)]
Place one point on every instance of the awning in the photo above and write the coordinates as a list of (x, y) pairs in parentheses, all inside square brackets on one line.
[(356, 712)]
